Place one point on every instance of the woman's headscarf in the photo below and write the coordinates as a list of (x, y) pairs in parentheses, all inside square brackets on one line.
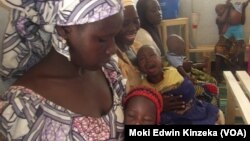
[(149, 93), (128, 3), (31, 29)]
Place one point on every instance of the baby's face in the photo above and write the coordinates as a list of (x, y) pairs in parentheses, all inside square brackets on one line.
[(140, 111), (149, 62)]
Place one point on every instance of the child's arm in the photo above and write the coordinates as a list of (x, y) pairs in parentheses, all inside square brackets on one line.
[(245, 4), (182, 71), (243, 17)]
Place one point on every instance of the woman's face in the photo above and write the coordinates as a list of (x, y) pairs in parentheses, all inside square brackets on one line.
[(149, 62), (140, 111), (91, 45), (131, 25), (153, 12)]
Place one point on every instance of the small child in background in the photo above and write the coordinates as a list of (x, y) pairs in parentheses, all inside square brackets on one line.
[(176, 53), (176, 57), (142, 106), (204, 83), (168, 81)]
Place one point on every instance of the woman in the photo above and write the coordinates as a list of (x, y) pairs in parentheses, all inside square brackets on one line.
[(75, 92), (127, 46), (150, 15)]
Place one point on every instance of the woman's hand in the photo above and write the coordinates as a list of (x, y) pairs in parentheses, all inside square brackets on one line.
[(172, 103)]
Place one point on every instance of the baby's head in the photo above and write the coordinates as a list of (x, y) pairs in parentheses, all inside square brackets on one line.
[(176, 45), (142, 106), (149, 60), (176, 50)]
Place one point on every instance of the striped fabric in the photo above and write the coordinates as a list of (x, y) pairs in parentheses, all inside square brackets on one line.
[(39, 119)]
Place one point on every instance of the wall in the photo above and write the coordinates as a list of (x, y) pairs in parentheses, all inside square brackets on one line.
[(207, 32)]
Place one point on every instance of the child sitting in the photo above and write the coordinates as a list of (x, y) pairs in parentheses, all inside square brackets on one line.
[(176, 57), (203, 81), (167, 81), (142, 106)]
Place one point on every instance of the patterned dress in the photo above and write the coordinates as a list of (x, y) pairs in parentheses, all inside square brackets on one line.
[(27, 116)]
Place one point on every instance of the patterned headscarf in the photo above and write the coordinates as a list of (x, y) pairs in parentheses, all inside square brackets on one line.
[(149, 93), (32, 26)]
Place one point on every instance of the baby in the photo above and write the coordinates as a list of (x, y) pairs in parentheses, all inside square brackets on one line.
[(176, 57), (168, 81), (142, 106)]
